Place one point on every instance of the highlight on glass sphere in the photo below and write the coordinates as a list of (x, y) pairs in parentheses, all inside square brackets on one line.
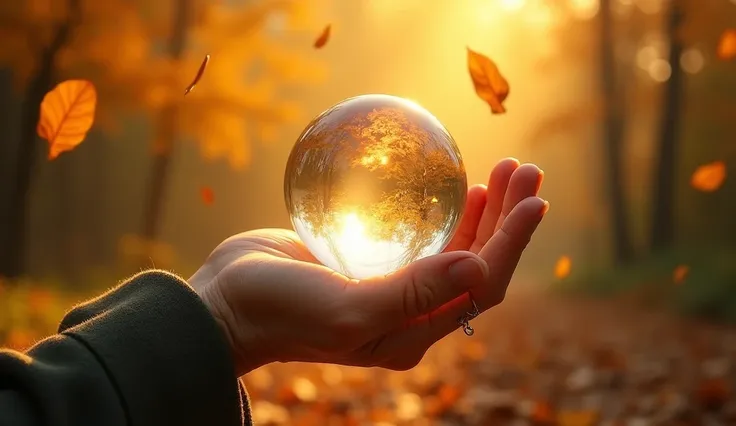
[(373, 184)]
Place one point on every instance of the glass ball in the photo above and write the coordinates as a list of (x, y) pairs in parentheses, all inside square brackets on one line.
[(373, 184)]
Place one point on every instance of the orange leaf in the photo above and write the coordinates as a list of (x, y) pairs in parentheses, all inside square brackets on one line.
[(562, 267), (67, 114), (727, 45), (488, 82), (207, 194), (323, 38), (709, 177), (680, 273)]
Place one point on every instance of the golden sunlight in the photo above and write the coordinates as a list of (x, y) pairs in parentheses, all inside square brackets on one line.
[(512, 5), (585, 9)]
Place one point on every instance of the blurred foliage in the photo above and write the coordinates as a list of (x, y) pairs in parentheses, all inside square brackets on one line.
[(119, 46), (694, 281), (30, 311)]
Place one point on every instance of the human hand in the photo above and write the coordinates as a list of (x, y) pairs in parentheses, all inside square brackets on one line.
[(276, 302)]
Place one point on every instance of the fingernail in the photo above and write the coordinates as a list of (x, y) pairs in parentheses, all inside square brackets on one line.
[(540, 179), (545, 207), (468, 271)]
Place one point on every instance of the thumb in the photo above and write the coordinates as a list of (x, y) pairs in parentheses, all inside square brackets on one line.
[(419, 288)]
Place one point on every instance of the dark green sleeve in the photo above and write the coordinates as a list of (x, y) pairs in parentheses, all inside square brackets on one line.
[(146, 353)]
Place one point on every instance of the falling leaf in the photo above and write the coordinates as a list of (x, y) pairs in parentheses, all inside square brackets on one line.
[(197, 77), (680, 273), (67, 114), (562, 267), (709, 177), (434, 200), (727, 45), (323, 38), (208, 195), (488, 82)]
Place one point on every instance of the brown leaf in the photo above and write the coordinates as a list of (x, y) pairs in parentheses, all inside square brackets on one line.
[(563, 267), (680, 273), (577, 417), (727, 45), (709, 177), (323, 38), (207, 194), (67, 114), (488, 82), (199, 75), (713, 393)]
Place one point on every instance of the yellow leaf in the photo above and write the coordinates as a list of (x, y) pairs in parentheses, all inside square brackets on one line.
[(727, 45), (488, 82), (323, 38), (562, 267), (680, 273), (67, 114), (709, 177)]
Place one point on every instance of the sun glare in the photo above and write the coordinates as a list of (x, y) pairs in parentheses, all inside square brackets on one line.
[(352, 234)]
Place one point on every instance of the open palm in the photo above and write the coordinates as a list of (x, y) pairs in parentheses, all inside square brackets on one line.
[(276, 302)]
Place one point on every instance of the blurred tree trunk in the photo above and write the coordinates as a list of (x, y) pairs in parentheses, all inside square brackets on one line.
[(12, 262), (66, 235), (165, 132), (613, 125), (663, 196)]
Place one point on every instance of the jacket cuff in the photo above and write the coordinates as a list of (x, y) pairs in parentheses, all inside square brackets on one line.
[(163, 350)]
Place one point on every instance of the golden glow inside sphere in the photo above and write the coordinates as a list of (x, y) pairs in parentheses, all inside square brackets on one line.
[(373, 184)]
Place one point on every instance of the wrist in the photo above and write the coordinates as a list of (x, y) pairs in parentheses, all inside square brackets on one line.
[(240, 339)]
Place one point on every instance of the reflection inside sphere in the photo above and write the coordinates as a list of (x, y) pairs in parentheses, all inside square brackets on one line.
[(374, 183)]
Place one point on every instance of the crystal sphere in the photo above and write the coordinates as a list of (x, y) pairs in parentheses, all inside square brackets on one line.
[(373, 184)]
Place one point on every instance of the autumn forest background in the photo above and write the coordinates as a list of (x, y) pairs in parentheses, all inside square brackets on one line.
[(628, 106)]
